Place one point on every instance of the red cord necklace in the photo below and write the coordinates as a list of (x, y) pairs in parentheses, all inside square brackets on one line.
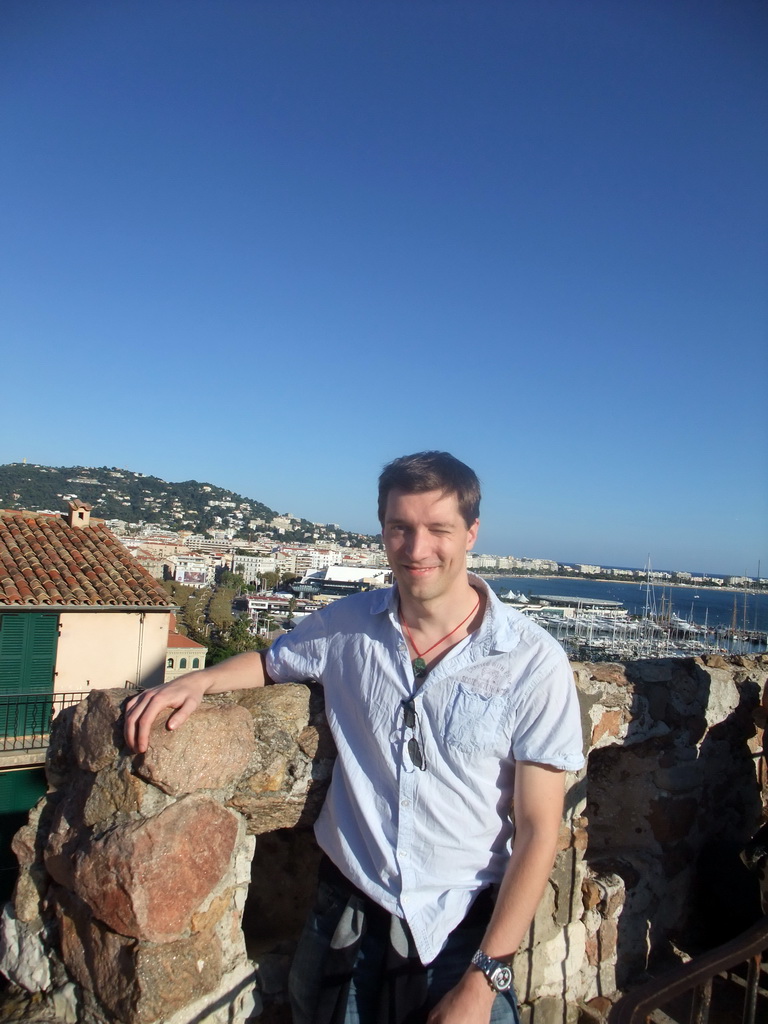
[(418, 663)]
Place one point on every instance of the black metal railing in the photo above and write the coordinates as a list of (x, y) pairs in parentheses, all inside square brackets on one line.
[(25, 718), (695, 978)]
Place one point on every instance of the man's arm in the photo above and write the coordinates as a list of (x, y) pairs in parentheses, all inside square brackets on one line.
[(184, 694), (539, 792)]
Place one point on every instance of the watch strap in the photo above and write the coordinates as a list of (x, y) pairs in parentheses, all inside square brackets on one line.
[(498, 973)]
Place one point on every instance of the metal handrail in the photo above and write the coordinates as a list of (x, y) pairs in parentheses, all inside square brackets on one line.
[(25, 718), (697, 976)]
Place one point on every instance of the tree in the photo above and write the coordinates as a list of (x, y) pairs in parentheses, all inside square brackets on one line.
[(220, 608), (270, 580), (236, 639), (231, 580)]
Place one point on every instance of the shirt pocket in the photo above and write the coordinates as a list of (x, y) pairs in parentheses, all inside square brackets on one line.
[(474, 721)]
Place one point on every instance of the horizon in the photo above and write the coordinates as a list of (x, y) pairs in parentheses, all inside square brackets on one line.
[(278, 246)]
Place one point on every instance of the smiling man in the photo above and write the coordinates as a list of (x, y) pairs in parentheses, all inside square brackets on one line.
[(455, 719)]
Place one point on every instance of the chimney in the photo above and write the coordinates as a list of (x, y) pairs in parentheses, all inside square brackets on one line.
[(79, 514)]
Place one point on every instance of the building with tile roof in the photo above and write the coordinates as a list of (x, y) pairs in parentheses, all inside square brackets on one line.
[(77, 611)]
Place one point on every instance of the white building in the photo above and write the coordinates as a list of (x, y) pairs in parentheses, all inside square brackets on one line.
[(252, 567), (193, 570)]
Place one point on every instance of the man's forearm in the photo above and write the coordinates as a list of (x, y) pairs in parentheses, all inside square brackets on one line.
[(520, 894), (241, 672), (539, 792)]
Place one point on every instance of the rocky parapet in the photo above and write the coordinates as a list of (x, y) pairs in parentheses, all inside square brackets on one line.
[(135, 869)]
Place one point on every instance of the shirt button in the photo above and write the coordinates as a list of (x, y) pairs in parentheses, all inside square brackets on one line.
[(403, 854), (405, 803)]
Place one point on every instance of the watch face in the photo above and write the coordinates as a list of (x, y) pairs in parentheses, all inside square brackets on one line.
[(501, 979)]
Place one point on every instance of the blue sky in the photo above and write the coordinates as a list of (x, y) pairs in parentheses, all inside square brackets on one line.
[(272, 245)]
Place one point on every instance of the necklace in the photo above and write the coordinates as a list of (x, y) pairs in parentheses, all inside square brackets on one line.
[(419, 664)]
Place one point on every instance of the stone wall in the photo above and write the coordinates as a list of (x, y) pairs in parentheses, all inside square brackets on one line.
[(140, 898)]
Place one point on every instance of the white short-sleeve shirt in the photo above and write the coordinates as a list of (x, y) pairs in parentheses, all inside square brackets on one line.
[(422, 843)]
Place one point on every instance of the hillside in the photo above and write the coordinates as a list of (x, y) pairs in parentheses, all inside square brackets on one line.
[(133, 497)]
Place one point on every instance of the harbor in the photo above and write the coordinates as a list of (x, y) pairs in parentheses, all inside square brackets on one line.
[(605, 621)]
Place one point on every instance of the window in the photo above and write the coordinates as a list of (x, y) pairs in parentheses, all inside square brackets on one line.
[(195, 663), (182, 663), (169, 663)]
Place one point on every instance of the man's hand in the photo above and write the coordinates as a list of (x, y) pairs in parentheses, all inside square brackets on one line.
[(242, 672), (469, 1002), (183, 694)]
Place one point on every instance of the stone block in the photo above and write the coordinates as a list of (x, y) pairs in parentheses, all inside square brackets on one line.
[(659, 670), (595, 1011), (24, 845), (60, 758), (287, 793), (136, 982), (615, 894), (27, 845), (608, 672), (552, 1010), (566, 877), (97, 734), (714, 661), (159, 870), (611, 724), (591, 894), (609, 932), (114, 791), (211, 751), (316, 742), (67, 830), (23, 957), (544, 927), (723, 699), (288, 708), (171, 975), (564, 836), (234, 1001), (554, 968), (580, 839)]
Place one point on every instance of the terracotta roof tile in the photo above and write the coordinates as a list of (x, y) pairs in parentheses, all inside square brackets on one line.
[(44, 561), (177, 640)]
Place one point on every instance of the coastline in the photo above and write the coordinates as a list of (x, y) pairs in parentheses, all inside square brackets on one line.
[(663, 584)]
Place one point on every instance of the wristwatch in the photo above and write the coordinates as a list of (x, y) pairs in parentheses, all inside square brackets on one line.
[(498, 973)]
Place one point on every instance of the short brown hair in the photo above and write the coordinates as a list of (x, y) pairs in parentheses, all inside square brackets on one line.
[(432, 471)]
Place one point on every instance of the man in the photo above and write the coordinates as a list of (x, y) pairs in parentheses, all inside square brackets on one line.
[(450, 712)]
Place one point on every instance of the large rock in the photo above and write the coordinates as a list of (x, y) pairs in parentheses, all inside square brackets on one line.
[(97, 730), (134, 981), (23, 955), (293, 761), (145, 879), (210, 751)]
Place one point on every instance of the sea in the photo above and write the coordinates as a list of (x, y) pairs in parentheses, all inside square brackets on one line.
[(701, 605)]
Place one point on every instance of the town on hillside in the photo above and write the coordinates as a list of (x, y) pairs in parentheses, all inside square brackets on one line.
[(189, 531)]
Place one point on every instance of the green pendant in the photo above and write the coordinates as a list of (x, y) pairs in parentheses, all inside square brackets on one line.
[(419, 667)]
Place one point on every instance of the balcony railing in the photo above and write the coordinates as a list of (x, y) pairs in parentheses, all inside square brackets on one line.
[(25, 718), (694, 979)]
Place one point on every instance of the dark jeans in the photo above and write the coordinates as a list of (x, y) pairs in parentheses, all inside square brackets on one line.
[(443, 973)]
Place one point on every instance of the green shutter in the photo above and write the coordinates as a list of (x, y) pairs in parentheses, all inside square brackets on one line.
[(27, 663), (28, 652)]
